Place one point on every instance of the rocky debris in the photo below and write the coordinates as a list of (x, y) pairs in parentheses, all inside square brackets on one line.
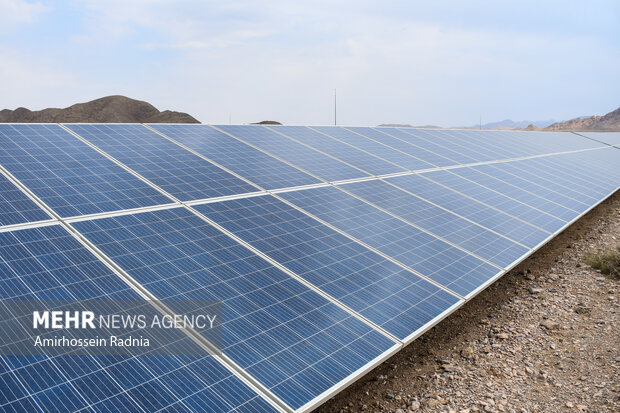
[(544, 338), (550, 325)]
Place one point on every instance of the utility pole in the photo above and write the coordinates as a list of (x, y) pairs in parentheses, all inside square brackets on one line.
[(335, 107), (481, 122)]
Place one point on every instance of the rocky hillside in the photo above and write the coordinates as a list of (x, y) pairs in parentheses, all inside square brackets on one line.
[(608, 122), (108, 109)]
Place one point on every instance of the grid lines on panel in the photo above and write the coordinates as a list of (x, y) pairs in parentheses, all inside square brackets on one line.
[(405, 160), (536, 186), (419, 152), (566, 182), (450, 227), (47, 263), (289, 338), (246, 161), (430, 256), (421, 139), (16, 207), (493, 198), (489, 181), (294, 153), (475, 211), (468, 153), (177, 171), (337, 149), (68, 175), (388, 295)]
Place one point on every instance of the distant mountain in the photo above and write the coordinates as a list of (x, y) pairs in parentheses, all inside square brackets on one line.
[(266, 122), (406, 125), (511, 124), (608, 122), (108, 109)]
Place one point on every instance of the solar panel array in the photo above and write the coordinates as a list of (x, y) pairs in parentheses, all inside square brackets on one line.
[(330, 248)]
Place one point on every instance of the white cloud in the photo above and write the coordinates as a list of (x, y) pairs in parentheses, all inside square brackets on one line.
[(15, 12), (33, 83)]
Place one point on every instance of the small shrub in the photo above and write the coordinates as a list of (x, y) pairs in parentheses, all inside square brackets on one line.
[(607, 261)]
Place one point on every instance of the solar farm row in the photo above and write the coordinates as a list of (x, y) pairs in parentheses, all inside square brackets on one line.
[(330, 248)]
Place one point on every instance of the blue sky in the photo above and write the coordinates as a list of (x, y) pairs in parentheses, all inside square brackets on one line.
[(418, 62)]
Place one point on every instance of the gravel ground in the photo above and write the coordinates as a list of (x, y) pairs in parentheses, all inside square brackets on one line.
[(542, 338)]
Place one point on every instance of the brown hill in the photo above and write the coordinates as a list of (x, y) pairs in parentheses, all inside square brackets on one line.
[(608, 122), (267, 122), (108, 109)]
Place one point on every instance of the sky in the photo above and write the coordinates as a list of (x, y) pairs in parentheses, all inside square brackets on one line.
[(444, 63)]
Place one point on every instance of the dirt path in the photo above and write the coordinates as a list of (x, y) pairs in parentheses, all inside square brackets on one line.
[(544, 337)]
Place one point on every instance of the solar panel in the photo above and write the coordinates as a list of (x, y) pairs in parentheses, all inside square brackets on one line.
[(420, 138), (598, 170), (497, 144), (291, 339), (610, 138), (177, 171), (551, 142), (468, 151), (386, 294), (528, 170), (512, 206), (47, 263), (320, 280), (450, 227), (264, 170), (488, 180), (430, 256), (295, 153), (398, 157), (16, 207), (353, 156), (531, 183), (577, 186), (401, 145), (68, 175), (497, 221)]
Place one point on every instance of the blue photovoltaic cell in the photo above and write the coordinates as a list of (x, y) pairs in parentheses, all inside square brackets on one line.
[(422, 140), (176, 170), (47, 263), (398, 157), (531, 183), (293, 152), (526, 169), (495, 199), (68, 175), (598, 170), (383, 292), (475, 211), (248, 162), (567, 182), (407, 147), (450, 227), (495, 146), (552, 142), (510, 190), (430, 256), (610, 138), (16, 207), (468, 152), (342, 151), (291, 339)]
